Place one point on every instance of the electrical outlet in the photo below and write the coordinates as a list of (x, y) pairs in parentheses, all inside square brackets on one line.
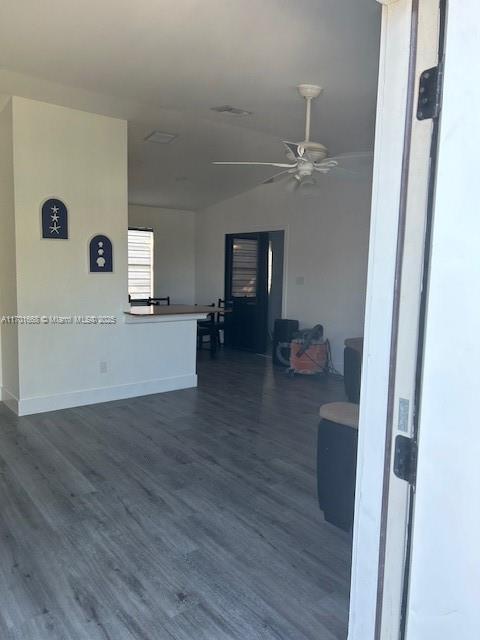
[(300, 280), (103, 367)]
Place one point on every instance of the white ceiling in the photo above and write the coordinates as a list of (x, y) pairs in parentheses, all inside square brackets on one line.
[(163, 63)]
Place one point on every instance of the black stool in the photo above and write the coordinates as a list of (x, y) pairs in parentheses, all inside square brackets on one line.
[(337, 462)]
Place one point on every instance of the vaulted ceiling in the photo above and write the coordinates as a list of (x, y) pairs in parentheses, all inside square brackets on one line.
[(162, 64)]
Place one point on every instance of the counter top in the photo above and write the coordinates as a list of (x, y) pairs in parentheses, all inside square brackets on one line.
[(169, 313), (172, 310)]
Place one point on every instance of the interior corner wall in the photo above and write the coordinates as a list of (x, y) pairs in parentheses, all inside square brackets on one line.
[(9, 381), (326, 251), (80, 158), (174, 250)]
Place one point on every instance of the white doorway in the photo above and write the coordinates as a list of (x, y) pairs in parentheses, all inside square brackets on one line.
[(398, 268)]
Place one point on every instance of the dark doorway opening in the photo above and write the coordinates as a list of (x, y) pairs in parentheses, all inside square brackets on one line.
[(253, 288)]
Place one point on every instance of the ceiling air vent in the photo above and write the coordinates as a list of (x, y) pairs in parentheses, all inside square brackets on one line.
[(234, 111), (160, 137)]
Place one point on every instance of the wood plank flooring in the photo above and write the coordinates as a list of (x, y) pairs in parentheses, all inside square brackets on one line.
[(189, 515)]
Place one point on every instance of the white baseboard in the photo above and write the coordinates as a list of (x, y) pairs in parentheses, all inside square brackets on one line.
[(9, 400), (40, 404)]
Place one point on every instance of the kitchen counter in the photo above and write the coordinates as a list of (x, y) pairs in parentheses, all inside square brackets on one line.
[(169, 313)]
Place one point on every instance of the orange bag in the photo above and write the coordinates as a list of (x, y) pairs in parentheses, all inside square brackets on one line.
[(310, 361)]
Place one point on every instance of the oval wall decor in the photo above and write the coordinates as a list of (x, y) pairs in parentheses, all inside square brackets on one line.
[(101, 254), (54, 219)]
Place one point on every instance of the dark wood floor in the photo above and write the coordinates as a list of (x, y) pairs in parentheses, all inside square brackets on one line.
[(189, 515)]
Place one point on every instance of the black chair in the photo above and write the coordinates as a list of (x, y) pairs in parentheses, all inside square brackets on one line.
[(220, 321), (138, 302), (206, 328), (159, 301)]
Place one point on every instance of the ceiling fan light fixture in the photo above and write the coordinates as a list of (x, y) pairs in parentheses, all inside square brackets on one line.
[(305, 180), (305, 170), (307, 187)]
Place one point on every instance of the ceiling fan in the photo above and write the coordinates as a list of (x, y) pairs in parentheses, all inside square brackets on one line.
[(308, 158)]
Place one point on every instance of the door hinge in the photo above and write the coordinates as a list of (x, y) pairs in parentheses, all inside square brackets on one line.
[(429, 93), (405, 459)]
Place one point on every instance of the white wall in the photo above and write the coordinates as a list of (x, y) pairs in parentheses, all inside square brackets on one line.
[(326, 244), (82, 159), (174, 250), (8, 289)]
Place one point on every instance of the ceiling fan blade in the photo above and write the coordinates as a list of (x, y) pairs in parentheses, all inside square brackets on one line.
[(353, 154), (354, 158), (325, 166), (354, 164), (339, 171), (277, 177), (294, 148), (265, 164)]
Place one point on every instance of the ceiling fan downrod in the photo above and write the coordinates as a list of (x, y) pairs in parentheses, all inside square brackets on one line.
[(309, 92)]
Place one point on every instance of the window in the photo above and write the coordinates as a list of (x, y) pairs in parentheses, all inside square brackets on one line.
[(244, 268), (140, 263)]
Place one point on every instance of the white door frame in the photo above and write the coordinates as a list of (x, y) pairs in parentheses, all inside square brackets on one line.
[(389, 141), (444, 589), (399, 201)]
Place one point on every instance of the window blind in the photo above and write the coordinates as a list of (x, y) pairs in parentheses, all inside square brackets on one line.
[(140, 263), (244, 268)]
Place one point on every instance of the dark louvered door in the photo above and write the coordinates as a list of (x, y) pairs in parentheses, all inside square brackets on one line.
[(246, 256)]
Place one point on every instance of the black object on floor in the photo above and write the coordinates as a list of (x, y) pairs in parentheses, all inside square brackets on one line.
[(283, 332), (337, 466), (352, 368)]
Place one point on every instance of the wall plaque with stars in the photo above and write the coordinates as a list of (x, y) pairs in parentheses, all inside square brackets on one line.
[(54, 219)]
